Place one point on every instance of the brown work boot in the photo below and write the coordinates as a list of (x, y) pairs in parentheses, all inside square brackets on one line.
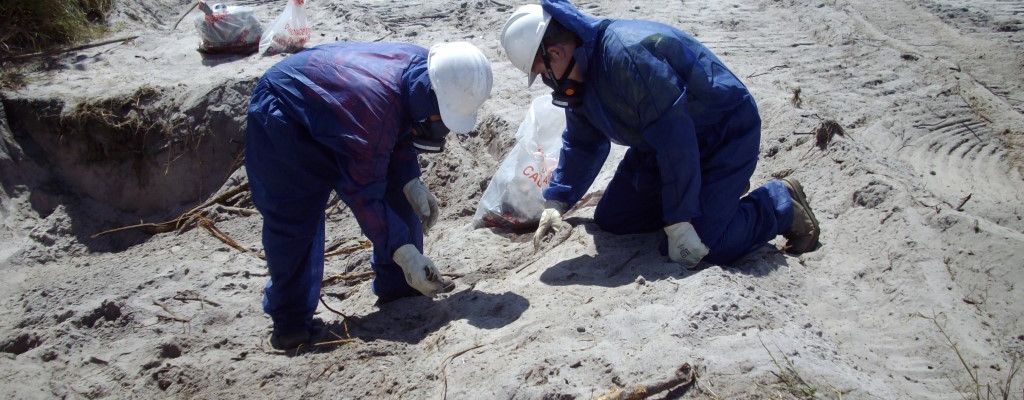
[(289, 340), (802, 236)]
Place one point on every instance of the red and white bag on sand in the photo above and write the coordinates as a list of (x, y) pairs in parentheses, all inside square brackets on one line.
[(228, 29), (289, 32), (513, 199)]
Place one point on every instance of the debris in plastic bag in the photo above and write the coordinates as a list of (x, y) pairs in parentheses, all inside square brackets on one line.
[(513, 199), (509, 221), (228, 29), (289, 32)]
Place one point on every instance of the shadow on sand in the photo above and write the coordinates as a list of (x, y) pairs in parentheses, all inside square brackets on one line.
[(622, 259), (411, 319)]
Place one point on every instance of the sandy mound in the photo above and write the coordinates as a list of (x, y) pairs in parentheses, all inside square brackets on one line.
[(920, 200)]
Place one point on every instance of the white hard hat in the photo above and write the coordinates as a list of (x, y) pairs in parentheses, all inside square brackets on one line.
[(461, 77), (522, 35)]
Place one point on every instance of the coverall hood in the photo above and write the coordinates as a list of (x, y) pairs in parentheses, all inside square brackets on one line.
[(585, 26), (419, 95)]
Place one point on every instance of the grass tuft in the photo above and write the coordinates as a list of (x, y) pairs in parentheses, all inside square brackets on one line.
[(29, 26), (35, 25), (976, 387)]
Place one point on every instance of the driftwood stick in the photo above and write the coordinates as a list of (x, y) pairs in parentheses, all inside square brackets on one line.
[(237, 210), (158, 227), (363, 244), (170, 314), (444, 368), (347, 277), (964, 202), (182, 222), (683, 376), (68, 50), (224, 196), (217, 233), (194, 4), (183, 297)]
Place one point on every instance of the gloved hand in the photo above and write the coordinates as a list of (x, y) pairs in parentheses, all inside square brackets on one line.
[(420, 272), (422, 201), (684, 246), (551, 222)]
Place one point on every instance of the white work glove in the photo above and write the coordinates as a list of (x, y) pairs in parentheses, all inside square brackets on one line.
[(422, 201), (420, 272), (551, 222), (684, 246)]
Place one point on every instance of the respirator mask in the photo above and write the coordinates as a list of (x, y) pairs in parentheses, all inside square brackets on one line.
[(566, 93), (428, 136)]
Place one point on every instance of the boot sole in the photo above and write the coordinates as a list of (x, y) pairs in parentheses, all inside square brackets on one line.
[(797, 191)]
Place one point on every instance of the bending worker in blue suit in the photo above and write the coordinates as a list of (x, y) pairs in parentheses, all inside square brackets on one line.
[(692, 129), (351, 117)]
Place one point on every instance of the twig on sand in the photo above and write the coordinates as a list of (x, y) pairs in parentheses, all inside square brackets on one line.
[(684, 376), (964, 201), (769, 70), (444, 368), (363, 244), (68, 50), (343, 316), (347, 277), (245, 212), (344, 319), (183, 221), (217, 233), (194, 4), (336, 342), (887, 216), (170, 314), (192, 296)]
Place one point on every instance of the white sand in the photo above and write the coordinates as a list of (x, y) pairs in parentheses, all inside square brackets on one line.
[(930, 96)]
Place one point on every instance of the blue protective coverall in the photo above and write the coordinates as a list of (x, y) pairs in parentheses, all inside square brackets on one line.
[(335, 117), (692, 129)]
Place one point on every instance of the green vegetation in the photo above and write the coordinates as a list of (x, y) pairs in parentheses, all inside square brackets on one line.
[(34, 25)]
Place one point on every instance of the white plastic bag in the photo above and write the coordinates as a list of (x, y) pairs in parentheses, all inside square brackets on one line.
[(513, 198), (228, 29), (289, 32)]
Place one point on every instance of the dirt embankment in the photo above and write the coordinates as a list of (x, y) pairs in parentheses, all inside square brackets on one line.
[(146, 155)]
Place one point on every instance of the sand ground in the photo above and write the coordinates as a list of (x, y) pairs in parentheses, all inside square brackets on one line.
[(920, 203)]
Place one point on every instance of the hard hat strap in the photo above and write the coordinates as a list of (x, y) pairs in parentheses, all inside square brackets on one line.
[(566, 93)]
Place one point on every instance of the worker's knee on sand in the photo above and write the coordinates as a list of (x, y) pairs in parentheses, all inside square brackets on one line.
[(615, 222), (623, 211)]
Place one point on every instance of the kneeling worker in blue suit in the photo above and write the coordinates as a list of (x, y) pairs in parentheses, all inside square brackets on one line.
[(692, 129), (351, 117)]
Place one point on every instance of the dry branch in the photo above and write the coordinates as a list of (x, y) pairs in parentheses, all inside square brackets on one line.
[(170, 314), (444, 368), (61, 51), (684, 376), (347, 277), (964, 201), (363, 244), (184, 221), (192, 296), (194, 4), (217, 233)]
